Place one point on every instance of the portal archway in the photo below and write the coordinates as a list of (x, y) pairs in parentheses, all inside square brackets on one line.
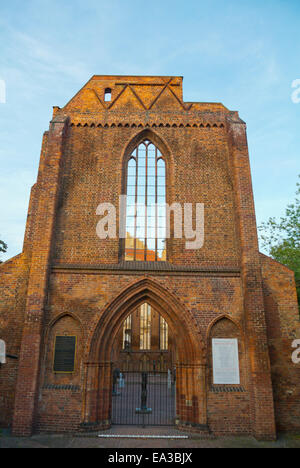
[(144, 371), (190, 354)]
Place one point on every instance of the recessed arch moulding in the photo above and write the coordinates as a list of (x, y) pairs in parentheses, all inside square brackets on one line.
[(190, 355)]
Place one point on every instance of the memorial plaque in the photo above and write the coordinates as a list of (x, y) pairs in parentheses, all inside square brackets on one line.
[(64, 355), (226, 361), (2, 352)]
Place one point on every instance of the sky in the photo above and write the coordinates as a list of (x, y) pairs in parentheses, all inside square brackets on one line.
[(245, 54)]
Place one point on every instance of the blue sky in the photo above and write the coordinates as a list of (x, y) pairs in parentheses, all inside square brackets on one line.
[(244, 54)]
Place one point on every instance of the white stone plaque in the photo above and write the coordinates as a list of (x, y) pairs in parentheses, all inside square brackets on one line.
[(2, 352), (226, 369)]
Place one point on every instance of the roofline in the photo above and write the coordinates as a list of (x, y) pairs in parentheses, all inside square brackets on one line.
[(138, 76), (276, 261)]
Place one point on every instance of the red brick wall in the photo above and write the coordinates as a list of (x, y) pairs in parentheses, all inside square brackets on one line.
[(283, 327), (13, 285), (93, 167), (87, 296)]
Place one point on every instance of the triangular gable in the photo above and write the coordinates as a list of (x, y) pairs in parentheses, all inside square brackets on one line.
[(147, 92), (167, 100), (87, 100), (127, 98), (137, 94)]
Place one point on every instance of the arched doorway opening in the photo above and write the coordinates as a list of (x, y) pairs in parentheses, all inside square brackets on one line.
[(144, 370), (190, 358)]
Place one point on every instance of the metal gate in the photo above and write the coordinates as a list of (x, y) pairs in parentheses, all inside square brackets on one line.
[(143, 397)]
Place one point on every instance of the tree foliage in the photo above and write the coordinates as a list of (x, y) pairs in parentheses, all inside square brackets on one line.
[(282, 238), (3, 247)]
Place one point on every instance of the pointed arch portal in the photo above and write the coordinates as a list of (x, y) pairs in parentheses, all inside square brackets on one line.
[(190, 360)]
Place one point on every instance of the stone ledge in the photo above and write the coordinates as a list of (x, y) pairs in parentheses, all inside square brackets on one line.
[(73, 388), (156, 267), (227, 389)]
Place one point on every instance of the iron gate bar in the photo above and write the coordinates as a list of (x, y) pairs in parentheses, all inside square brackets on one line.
[(144, 393), (160, 397)]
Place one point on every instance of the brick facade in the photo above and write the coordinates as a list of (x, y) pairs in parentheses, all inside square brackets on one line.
[(69, 282)]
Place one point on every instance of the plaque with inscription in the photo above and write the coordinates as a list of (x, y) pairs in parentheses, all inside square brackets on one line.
[(64, 355), (226, 361)]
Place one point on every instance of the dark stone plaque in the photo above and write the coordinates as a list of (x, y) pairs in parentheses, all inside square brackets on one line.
[(64, 355)]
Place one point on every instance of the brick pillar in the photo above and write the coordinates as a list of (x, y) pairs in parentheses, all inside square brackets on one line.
[(90, 404), (199, 379), (47, 192), (104, 394), (191, 396), (262, 407)]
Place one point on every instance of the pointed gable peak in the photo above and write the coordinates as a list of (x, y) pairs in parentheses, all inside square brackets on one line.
[(141, 92)]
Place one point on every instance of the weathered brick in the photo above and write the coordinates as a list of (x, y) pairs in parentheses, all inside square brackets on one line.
[(68, 281)]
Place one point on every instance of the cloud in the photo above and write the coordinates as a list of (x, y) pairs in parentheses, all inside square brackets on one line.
[(28, 55)]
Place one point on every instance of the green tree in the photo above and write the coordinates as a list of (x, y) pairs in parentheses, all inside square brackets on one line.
[(282, 238), (3, 247)]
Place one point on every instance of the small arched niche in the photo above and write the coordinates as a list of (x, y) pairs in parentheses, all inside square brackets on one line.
[(225, 341), (64, 348)]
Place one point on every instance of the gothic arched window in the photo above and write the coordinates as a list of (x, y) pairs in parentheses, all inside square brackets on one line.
[(146, 204), (145, 330)]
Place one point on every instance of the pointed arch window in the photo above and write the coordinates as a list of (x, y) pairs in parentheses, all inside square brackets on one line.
[(145, 315), (146, 204)]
